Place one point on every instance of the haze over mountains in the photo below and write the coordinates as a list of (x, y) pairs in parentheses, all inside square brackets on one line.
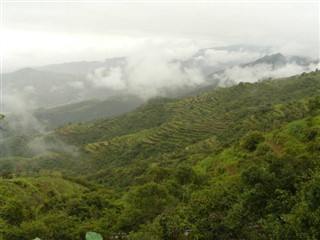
[(159, 120), (227, 163), (148, 73)]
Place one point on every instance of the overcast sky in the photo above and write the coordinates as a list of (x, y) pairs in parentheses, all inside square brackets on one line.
[(35, 33)]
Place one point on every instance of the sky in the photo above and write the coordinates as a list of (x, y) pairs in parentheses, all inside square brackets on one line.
[(39, 33)]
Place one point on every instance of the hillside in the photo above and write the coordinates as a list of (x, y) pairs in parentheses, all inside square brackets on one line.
[(84, 67), (34, 88), (278, 60), (230, 163), (224, 114), (39, 88), (77, 82), (271, 66), (29, 207), (87, 110)]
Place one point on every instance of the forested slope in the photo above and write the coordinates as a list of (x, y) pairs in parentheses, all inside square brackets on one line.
[(233, 163)]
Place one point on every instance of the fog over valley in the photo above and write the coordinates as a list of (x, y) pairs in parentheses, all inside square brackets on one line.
[(67, 58), (150, 72), (65, 71), (159, 120)]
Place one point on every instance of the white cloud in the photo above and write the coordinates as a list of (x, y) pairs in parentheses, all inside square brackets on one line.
[(76, 84), (109, 78), (22, 107), (30, 90), (148, 71), (66, 31), (55, 89), (238, 74), (218, 57), (21, 121)]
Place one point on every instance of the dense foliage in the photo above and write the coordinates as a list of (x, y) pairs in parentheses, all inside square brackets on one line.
[(87, 110), (233, 163)]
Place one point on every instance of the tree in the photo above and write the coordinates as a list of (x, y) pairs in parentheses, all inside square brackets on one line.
[(314, 104), (1, 118), (144, 203), (251, 141), (13, 212)]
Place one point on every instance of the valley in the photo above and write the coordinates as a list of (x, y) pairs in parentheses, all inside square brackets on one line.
[(238, 162)]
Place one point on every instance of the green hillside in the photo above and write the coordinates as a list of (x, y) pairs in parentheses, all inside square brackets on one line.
[(87, 110), (36, 206), (231, 163), (169, 131)]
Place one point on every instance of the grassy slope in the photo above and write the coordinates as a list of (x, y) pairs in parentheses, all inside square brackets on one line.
[(33, 190), (171, 130), (195, 147), (87, 111)]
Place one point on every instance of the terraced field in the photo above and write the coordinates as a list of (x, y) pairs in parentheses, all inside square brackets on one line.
[(231, 163), (168, 129)]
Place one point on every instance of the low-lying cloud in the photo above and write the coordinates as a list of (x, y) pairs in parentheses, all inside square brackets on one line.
[(109, 78), (147, 72), (156, 68), (251, 74), (42, 144), (21, 122), (21, 106), (76, 84), (215, 58)]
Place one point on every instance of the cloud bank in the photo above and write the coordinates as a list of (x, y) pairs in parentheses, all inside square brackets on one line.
[(157, 68), (21, 122), (148, 72), (214, 57), (259, 72)]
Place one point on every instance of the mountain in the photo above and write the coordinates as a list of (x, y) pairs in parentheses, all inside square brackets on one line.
[(229, 163), (162, 125), (87, 110), (215, 59), (58, 84), (157, 129), (44, 88), (41, 89), (235, 48), (269, 66), (55, 84), (278, 60), (84, 67)]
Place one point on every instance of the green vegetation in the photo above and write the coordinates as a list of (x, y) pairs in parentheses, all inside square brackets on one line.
[(93, 236), (232, 163), (87, 111)]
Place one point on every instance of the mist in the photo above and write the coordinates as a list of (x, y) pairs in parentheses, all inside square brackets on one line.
[(155, 68), (22, 123), (60, 31), (148, 72), (21, 116), (237, 74)]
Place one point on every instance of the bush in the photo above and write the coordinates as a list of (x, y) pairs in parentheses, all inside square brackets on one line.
[(251, 141)]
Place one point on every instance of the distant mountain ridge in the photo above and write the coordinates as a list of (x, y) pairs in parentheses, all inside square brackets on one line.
[(87, 110), (67, 83), (268, 66), (278, 60), (231, 163), (82, 67)]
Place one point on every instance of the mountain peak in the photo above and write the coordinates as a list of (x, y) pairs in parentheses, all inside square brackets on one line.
[(275, 60), (25, 70), (273, 57)]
